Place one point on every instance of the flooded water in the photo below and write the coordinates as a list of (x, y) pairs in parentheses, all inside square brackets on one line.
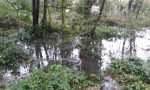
[(136, 45), (86, 54), (92, 56)]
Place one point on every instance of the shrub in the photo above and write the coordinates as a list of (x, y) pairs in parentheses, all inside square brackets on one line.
[(131, 73), (9, 22), (12, 56), (55, 77)]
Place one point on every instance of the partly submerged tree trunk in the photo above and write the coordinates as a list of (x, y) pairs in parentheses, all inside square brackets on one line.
[(99, 16), (44, 21), (123, 47), (35, 13)]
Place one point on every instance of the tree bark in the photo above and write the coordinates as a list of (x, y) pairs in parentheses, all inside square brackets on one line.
[(44, 21), (35, 12), (62, 12), (130, 5), (87, 7), (139, 8), (99, 17)]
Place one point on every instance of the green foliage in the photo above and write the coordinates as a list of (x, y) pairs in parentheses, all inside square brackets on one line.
[(11, 56), (25, 17), (9, 22), (131, 73), (59, 29), (80, 7), (7, 15), (10, 10), (55, 77), (135, 86), (23, 5), (30, 35), (106, 32), (7, 32), (5, 9), (66, 4), (25, 11)]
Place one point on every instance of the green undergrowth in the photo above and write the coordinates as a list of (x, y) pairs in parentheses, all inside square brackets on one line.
[(30, 35), (7, 33), (106, 32), (55, 77), (60, 29), (128, 21), (11, 56), (132, 73), (100, 32)]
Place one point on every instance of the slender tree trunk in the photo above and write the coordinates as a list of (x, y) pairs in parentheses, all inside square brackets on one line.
[(44, 21), (130, 5), (62, 12), (99, 17), (35, 13), (87, 8), (139, 8), (49, 14), (123, 47)]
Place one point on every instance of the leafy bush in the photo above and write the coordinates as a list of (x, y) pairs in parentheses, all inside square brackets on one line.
[(131, 73), (7, 15), (11, 9), (30, 35), (80, 7), (5, 9), (11, 56), (55, 77), (8, 22)]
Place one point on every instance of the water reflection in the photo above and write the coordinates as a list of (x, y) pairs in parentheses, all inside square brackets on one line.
[(93, 54), (87, 54), (90, 54)]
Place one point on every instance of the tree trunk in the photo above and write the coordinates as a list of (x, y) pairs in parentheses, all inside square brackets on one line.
[(99, 17), (35, 13), (130, 5), (44, 21), (139, 8), (87, 7), (62, 12)]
